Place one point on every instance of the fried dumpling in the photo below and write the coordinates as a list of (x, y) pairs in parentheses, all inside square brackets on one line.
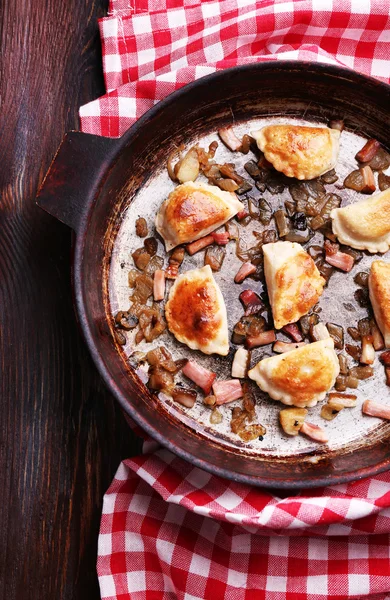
[(364, 225), (301, 377), (379, 288), (299, 151), (196, 312), (293, 281), (192, 210)]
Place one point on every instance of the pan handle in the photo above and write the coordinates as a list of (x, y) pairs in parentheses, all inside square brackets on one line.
[(74, 175)]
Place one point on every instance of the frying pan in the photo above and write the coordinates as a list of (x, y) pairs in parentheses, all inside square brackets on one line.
[(91, 185)]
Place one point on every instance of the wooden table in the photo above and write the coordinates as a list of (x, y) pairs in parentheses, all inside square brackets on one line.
[(62, 435)]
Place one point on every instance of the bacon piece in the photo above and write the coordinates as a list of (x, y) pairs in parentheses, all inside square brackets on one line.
[(221, 238), (292, 330), (159, 285), (282, 347), (240, 363), (377, 337), (251, 302), (199, 244), (368, 352), (262, 339), (368, 151), (230, 139), (387, 371), (172, 271), (368, 180), (344, 400), (374, 409), (227, 391), (385, 358), (199, 375), (314, 432), (243, 272), (340, 260), (242, 214)]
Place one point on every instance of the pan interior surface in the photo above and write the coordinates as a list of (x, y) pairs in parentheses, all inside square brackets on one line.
[(351, 429)]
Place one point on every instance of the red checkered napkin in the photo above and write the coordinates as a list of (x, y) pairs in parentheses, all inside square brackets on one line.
[(170, 530), (148, 55)]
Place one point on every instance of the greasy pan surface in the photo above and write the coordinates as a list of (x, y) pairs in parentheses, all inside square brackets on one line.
[(136, 183)]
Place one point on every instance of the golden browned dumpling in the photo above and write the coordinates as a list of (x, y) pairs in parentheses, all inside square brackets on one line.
[(293, 281), (300, 377), (299, 151), (192, 211), (379, 288), (364, 225), (196, 312)]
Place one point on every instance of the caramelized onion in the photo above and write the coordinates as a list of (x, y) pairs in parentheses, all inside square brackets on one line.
[(227, 185), (383, 182), (329, 177), (354, 333), (125, 320), (343, 363), (141, 258), (247, 140), (361, 180), (252, 169), (361, 279), (281, 222), (227, 170), (336, 332), (143, 289), (361, 372), (184, 396), (215, 417), (155, 263), (353, 351), (141, 227), (232, 229), (214, 257), (381, 160), (160, 379)]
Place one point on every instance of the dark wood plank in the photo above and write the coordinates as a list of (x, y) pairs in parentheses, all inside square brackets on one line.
[(61, 434)]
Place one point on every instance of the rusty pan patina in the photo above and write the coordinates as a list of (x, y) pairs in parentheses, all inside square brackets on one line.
[(99, 186)]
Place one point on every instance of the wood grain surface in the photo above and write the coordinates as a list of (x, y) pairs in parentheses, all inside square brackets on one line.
[(61, 434)]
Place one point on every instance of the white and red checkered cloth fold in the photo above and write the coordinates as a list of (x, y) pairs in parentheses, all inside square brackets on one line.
[(170, 530)]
